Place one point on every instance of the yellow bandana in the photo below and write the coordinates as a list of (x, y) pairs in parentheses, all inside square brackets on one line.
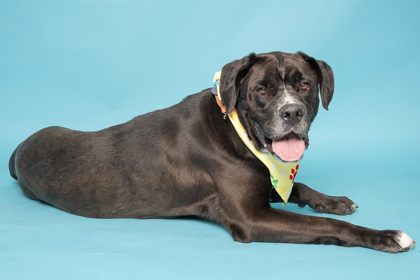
[(282, 174)]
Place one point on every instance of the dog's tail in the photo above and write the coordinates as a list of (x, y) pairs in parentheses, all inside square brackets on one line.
[(12, 166)]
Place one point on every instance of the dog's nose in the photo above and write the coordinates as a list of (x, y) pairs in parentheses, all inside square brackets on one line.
[(291, 114)]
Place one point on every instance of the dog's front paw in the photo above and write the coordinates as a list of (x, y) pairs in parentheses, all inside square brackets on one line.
[(333, 205), (404, 241), (394, 241)]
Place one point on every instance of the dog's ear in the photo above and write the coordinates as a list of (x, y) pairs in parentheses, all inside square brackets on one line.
[(325, 77), (232, 75)]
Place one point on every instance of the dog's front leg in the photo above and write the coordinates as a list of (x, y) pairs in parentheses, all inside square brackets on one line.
[(302, 195), (273, 225), (266, 224), (246, 212)]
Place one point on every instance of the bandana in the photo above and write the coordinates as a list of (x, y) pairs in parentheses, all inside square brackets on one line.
[(282, 174)]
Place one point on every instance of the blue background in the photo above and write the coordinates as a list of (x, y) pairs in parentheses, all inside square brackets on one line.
[(88, 65)]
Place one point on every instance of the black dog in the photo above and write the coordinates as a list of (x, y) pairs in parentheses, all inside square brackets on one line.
[(189, 160)]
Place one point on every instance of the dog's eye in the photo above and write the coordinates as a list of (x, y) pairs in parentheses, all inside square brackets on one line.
[(262, 90), (304, 86)]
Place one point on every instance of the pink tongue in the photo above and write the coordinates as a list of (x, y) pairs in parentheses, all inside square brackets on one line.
[(290, 148)]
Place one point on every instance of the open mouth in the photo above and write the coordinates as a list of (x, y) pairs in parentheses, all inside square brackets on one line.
[(288, 148)]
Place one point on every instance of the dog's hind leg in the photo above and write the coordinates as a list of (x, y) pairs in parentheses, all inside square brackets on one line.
[(14, 173), (29, 194)]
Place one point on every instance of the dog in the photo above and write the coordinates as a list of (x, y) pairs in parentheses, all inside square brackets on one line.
[(188, 160)]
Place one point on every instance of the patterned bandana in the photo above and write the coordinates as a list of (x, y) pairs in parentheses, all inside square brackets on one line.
[(282, 174)]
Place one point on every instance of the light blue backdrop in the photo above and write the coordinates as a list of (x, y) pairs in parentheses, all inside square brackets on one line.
[(88, 65)]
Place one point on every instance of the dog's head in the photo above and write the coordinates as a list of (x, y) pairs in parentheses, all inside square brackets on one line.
[(276, 97)]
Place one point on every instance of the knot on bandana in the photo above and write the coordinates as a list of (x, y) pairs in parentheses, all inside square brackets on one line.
[(282, 174)]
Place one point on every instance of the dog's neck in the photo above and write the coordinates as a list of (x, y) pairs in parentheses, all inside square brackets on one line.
[(282, 174)]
